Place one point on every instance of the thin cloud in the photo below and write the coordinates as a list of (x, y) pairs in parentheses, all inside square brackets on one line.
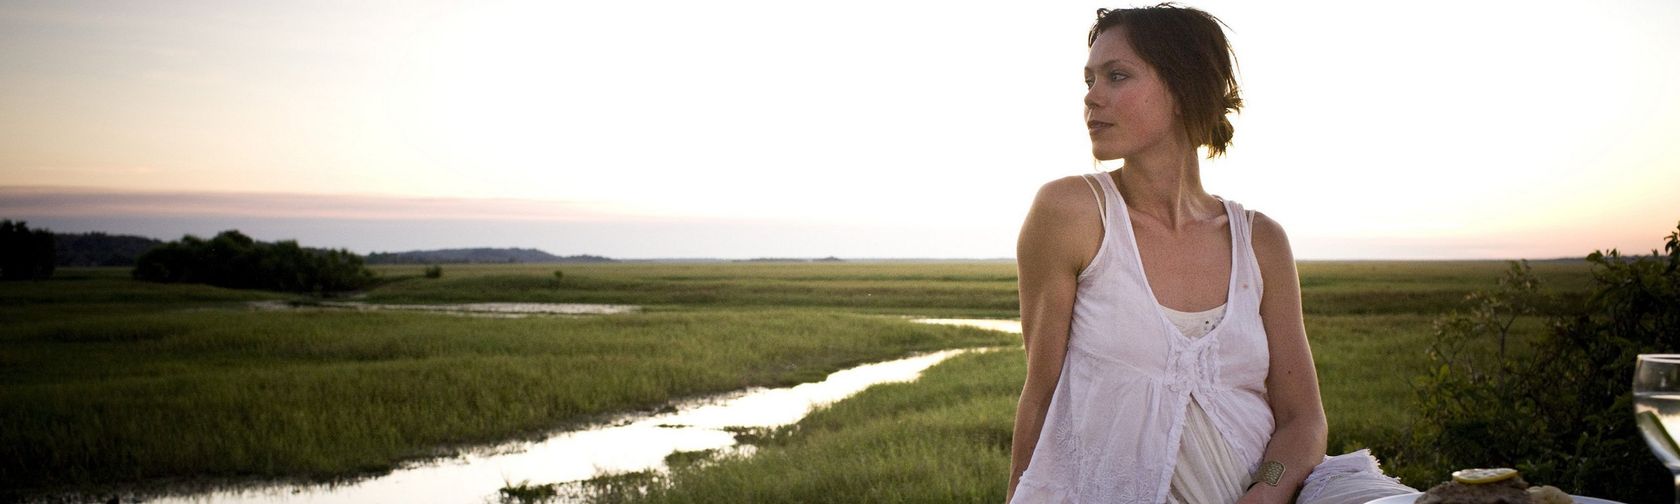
[(85, 202)]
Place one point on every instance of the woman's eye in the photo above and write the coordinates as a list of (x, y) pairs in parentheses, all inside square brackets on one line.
[(1116, 76), (1090, 82)]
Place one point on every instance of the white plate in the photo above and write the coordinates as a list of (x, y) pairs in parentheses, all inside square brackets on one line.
[(1412, 497)]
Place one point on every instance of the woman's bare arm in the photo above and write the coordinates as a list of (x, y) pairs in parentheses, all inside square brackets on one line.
[(1292, 384), (1061, 234)]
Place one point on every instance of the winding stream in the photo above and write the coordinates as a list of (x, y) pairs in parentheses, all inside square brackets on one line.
[(501, 310)]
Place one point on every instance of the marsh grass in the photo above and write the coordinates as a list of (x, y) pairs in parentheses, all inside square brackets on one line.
[(97, 289), (624, 487), (526, 493), (1418, 287), (688, 458), (957, 289), (977, 289)]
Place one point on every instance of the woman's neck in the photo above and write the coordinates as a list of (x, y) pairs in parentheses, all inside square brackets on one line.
[(1167, 189)]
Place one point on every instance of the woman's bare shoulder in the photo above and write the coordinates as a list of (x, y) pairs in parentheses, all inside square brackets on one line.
[(1071, 196), (1064, 225), (1271, 244)]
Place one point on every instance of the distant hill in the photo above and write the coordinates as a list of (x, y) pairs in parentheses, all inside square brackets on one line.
[(479, 255), (789, 259), (100, 249)]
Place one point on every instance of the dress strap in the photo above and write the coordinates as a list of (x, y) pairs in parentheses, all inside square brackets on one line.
[(1242, 220), (1102, 203), (1243, 224)]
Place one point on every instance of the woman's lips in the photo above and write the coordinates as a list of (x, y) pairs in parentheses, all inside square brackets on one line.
[(1095, 126)]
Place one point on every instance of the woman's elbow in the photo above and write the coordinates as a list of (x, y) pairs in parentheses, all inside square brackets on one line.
[(1037, 390), (1308, 420)]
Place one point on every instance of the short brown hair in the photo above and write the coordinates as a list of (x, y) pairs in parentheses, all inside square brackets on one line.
[(1187, 47)]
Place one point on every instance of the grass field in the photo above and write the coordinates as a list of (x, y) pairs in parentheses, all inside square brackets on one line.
[(978, 289), (106, 381)]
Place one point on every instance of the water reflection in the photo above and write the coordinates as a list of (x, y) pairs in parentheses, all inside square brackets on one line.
[(630, 443), (1008, 326), (503, 310)]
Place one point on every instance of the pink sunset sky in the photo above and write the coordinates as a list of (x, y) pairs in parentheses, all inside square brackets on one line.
[(1494, 130)]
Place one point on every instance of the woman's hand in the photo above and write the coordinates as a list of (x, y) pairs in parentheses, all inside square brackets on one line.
[(1264, 494)]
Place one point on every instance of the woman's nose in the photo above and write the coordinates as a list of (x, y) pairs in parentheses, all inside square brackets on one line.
[(1091, 98)]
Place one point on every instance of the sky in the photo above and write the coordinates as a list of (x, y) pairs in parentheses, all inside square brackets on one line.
[(869, 129)]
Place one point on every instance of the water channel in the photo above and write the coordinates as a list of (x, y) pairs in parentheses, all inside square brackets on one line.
[(500, 310), (632, 442)]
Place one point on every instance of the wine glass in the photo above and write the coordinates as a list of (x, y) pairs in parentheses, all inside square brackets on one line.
[(1656, 408)]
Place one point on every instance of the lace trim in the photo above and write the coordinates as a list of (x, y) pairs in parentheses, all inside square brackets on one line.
[(1102, 478)]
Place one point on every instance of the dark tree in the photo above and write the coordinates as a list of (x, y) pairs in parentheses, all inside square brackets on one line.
[(233, 260), (100, 249), (25, 254)]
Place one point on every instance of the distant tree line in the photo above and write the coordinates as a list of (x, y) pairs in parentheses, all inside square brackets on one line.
[(101, 249), (236, 261), (788, 259), (25, 254), (480, 255)]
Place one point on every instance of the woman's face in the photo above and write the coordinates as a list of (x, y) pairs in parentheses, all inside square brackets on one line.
[(1128, 108)]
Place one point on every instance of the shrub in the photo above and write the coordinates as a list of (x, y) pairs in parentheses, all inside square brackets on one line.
[(234, 260), (25, 254), (1559, 406), (434, 271)]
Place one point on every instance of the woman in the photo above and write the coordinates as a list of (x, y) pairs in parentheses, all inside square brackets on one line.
[(1167, 359)]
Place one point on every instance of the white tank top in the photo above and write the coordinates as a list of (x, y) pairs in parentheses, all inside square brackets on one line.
[(1114, 425)]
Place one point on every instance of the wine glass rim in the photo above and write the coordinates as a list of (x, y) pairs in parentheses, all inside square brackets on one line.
[(1663, 358)]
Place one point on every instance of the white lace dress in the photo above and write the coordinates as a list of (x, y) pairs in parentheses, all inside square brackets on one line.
[(1145, 413)]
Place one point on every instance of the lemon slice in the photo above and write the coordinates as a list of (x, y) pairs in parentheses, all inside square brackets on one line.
[(1481, 476), (1649, 422)]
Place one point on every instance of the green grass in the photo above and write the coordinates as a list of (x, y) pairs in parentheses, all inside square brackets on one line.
[(526, 492), (1417, 287), (107, 381), (980, 289), (985, 289)]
